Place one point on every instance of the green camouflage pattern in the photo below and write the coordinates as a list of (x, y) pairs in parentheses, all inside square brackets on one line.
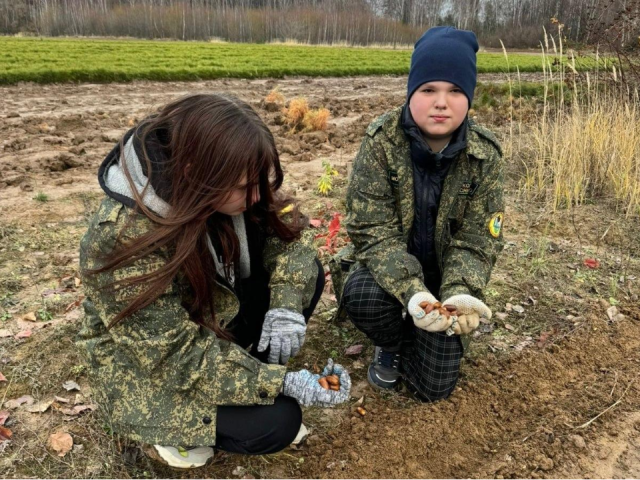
[(159, 375), (380, 211), (293, 271)]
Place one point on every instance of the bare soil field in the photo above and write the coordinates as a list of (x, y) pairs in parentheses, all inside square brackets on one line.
[(549, 388)]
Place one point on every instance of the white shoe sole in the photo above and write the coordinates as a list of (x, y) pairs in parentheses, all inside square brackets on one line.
[(303, 433), (196, 457)]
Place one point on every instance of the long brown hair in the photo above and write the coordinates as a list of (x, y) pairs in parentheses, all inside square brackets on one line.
[(214, 143)]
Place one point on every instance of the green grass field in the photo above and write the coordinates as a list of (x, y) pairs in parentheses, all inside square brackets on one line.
[(50, 60)]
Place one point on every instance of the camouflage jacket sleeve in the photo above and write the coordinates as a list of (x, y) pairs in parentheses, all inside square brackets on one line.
[(473, 250), (293, 271), (375, 228), (161, 341)]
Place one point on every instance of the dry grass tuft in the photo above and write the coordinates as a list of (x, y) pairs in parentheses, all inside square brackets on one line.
[(583, 148), (316, 119), (275, 96), (294, 114), (301, 118)]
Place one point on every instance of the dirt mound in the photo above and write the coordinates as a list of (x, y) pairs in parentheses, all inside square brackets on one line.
[(510, 417)]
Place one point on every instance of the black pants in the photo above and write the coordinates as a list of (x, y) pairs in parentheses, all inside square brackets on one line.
[(260, 429), (430, 360)]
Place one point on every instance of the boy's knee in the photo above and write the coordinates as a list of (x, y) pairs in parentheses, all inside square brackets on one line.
[(361, 286), (364, 297), (429, 391)]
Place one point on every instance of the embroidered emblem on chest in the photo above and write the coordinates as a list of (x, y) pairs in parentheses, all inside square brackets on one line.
[(467, 189)]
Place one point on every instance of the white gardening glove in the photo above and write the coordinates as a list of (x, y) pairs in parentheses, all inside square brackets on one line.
[(304, 387), (285, 330), (431, 322), (469, 312)]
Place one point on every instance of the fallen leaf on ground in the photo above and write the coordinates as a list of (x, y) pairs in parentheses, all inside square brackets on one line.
[(49, 292), (3, 417), (4, 333), (23, 334), (39, 407), (523, 344), (5, 434), (70, 385), (591, 263), (29, 317), (77, 410), (13, 404), (61, 399), (509, 327), (353, 350), (79, 399), (2, 378), (239, 471), (544, 337), (518, 308), (315, 223), (61, 443), (73, 305)]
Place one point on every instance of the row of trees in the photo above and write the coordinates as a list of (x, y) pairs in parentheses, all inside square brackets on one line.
[(518, 23)]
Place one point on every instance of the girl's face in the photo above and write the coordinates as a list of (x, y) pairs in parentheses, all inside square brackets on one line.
[(438, 108), (236, 203)]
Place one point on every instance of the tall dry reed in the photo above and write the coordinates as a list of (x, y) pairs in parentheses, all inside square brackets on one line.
[(584, 144)]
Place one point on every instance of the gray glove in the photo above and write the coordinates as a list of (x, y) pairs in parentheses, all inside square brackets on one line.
[(285, 330), (304, 387)]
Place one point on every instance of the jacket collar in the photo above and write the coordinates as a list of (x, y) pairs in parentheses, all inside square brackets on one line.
[(421, 152), (476, 144)]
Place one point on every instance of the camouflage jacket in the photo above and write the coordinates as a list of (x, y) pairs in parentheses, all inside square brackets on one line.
[(380, 212), (159, 374)]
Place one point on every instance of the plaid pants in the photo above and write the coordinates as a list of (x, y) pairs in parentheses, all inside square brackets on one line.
[(430, 360)]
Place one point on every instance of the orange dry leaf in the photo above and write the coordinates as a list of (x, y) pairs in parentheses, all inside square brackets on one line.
[(298, 107), (61, 442), (274, 96), (5, 434)]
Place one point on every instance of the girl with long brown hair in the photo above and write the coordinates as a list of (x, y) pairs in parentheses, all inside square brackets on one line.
[(199, 281)]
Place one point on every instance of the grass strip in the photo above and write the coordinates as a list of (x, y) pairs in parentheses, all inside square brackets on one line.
[(59, 60)]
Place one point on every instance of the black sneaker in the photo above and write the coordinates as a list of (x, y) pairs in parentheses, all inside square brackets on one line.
[(383, 372)]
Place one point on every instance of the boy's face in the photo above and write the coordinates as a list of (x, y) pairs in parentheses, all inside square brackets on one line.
[(438, 108)]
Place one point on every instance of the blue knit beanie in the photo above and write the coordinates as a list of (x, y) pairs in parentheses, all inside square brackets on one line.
[(444, 54)]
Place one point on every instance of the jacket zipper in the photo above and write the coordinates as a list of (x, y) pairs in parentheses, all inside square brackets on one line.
[(424, 215), (447, 226)]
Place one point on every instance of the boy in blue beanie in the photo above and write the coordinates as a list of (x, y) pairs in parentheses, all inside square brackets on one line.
[(424, 212)]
